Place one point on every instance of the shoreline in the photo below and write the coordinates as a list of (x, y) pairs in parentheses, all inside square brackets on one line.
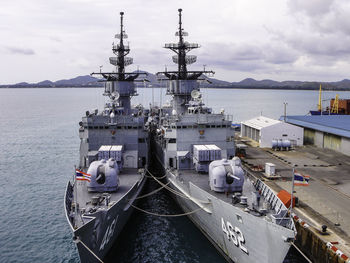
[(204, 87)]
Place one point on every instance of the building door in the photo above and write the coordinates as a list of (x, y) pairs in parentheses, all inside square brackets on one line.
[(129, 161)]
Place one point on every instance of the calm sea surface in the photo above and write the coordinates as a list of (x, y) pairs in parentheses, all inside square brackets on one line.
[(39, 147)]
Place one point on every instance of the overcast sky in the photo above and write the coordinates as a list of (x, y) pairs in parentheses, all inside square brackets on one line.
[(270, 39)]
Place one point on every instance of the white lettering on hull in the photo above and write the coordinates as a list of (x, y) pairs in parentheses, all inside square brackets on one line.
[(234, 234), (108, 234)]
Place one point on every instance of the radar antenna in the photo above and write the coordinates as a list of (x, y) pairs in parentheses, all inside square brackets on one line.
[(121, 60), (181, 58), (195, 94)]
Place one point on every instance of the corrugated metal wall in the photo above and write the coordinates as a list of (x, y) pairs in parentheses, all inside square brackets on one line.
[(250, 133), (331, 141), (309, 136)]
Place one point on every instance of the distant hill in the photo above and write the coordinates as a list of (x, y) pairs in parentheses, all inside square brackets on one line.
[(81, 80), (248, 83), (45, 83)]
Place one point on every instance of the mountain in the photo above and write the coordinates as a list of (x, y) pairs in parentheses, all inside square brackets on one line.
[(342, 84), (81, 80), (248, 83), (45, 83)]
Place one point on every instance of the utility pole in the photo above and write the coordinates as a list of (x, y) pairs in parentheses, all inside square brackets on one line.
[(285, 110)]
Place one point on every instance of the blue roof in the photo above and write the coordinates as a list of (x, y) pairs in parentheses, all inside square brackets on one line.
[(333, 124)]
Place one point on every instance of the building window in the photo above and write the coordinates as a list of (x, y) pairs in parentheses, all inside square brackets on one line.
[(172, 140)]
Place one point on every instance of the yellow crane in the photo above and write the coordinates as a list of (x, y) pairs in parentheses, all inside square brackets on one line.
[(335, 106), (319, 105)]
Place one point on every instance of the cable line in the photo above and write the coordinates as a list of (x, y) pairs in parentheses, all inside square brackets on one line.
[(163, 215)]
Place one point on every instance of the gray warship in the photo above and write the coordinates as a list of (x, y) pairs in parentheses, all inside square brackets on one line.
[(113, 159), (240, 215)]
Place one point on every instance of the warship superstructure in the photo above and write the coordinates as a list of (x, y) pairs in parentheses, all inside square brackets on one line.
[(239, 214), (113, 160)]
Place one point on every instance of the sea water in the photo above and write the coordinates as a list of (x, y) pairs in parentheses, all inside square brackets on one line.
[(39, 146)]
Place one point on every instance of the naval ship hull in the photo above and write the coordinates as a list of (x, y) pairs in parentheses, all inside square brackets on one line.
[(101, 230), (254, 240)]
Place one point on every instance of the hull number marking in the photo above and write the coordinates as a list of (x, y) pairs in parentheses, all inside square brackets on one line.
[(234, 234), (108, 234)]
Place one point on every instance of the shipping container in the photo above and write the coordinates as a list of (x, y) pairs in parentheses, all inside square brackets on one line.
[(103, 152), (214, 152), (116, 152), (200, 153)]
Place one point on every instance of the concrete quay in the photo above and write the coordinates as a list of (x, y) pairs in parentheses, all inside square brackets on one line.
[(326, 201)]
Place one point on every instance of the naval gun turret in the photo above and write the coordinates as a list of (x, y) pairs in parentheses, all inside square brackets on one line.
[(103, 176), (182, 82), (226, 175)]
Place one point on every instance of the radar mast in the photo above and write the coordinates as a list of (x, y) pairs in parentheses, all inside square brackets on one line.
[(119, 85), (182, 82), (181, 58), (120, 60)]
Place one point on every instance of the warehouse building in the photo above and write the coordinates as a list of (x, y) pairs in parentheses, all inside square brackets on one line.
[(325, 131), (264, 130)]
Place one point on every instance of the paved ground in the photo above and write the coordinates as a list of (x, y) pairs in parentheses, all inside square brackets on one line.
[(327, 198)]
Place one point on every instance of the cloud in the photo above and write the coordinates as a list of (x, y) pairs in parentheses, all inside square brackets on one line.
[(311, 7), (322, 16), (22, 51), (302, 37), (55, 39), (247, 57)]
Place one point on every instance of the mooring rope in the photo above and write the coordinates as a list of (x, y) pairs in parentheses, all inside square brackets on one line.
[(78, 240), (295, 246), (159, 178), (176, 192), (150, 193), (166, 215)]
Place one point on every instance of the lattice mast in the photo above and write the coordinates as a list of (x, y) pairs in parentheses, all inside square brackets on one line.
[(119, 85), (182, 82), (181, 58), (121, 51)]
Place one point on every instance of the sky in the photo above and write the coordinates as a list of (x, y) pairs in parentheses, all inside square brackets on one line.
[(270, 39)]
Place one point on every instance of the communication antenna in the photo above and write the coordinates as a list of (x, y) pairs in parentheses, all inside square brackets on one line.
[(181, 57), (120, 60)]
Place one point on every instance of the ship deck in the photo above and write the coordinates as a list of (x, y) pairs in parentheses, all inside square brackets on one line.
[(128, 177), (201, 180)]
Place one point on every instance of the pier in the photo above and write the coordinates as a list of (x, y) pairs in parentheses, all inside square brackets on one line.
[(322, 213)]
